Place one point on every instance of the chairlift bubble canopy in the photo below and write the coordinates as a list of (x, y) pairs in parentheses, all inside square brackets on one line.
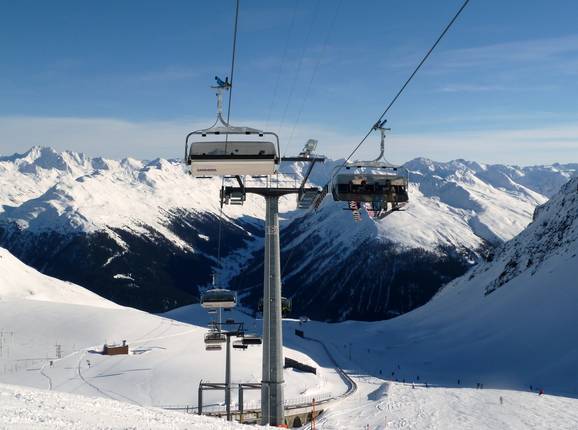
[(218, 298), (227, 150)]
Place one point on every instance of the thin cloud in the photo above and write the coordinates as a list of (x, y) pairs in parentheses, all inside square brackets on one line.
[(114, 138), (557, 53), (481, 88), (535, 50), (470, 88), (171, 73)]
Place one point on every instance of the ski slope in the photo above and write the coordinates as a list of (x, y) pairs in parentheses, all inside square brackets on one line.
[(166, 363), (508, 326), (19, 281), (382, 405), (25, 408), (52, 342)]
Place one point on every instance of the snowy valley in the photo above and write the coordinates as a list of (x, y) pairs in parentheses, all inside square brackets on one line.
[(492, 326)]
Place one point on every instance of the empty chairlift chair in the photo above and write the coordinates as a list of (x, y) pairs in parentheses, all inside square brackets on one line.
[(226, 150), (377, 186), (215, 338), (251, 339), (213, 347), (238, 344)]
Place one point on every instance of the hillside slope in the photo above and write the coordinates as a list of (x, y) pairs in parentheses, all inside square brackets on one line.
[(51, 337), (19, 281), (26, 408), (508, 323)]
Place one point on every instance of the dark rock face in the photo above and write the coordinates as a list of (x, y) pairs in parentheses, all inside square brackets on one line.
[(378, 280)]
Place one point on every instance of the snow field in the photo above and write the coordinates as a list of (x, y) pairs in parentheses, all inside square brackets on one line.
[(25, 408)]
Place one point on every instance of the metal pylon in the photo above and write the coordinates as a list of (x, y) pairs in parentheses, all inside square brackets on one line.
[(272, 388), (272, 407)]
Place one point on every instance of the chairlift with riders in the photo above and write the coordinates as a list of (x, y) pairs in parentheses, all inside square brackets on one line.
[(377, 186)]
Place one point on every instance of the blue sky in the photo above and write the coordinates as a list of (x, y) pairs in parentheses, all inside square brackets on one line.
[(130, 78)]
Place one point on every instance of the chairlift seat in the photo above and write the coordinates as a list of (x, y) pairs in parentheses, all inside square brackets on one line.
[(213, 347), (252, 340), (238, 344)]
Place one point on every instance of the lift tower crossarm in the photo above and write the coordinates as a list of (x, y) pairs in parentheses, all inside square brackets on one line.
[(272, 405)]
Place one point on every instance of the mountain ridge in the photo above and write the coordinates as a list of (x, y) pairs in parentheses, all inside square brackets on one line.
[(148, 225)]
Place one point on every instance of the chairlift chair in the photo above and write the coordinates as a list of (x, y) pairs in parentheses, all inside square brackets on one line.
[(234, 150), (251, 339), (377, 186), (286, 306), (215, 338), (213, 347), (218, 298), (238, 344)]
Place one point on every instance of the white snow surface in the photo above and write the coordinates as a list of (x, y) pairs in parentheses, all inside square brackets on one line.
[(391, 405), (167, 358), (510, 327), (19, 281), (25, 408), (53, 341)]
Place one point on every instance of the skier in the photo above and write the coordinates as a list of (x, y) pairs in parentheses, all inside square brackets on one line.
[(541, 393), (501, 400)]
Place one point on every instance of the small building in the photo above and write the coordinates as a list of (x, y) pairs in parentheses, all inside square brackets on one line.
[(115, 349)]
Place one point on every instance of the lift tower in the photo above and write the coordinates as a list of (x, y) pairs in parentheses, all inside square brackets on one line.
[(271, 190)]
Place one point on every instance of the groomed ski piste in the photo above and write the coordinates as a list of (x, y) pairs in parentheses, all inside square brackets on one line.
[(477, 356)]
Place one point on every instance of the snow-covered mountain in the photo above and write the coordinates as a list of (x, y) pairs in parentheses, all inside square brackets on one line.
[(145, 234), (507, 323), (336, 269)]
